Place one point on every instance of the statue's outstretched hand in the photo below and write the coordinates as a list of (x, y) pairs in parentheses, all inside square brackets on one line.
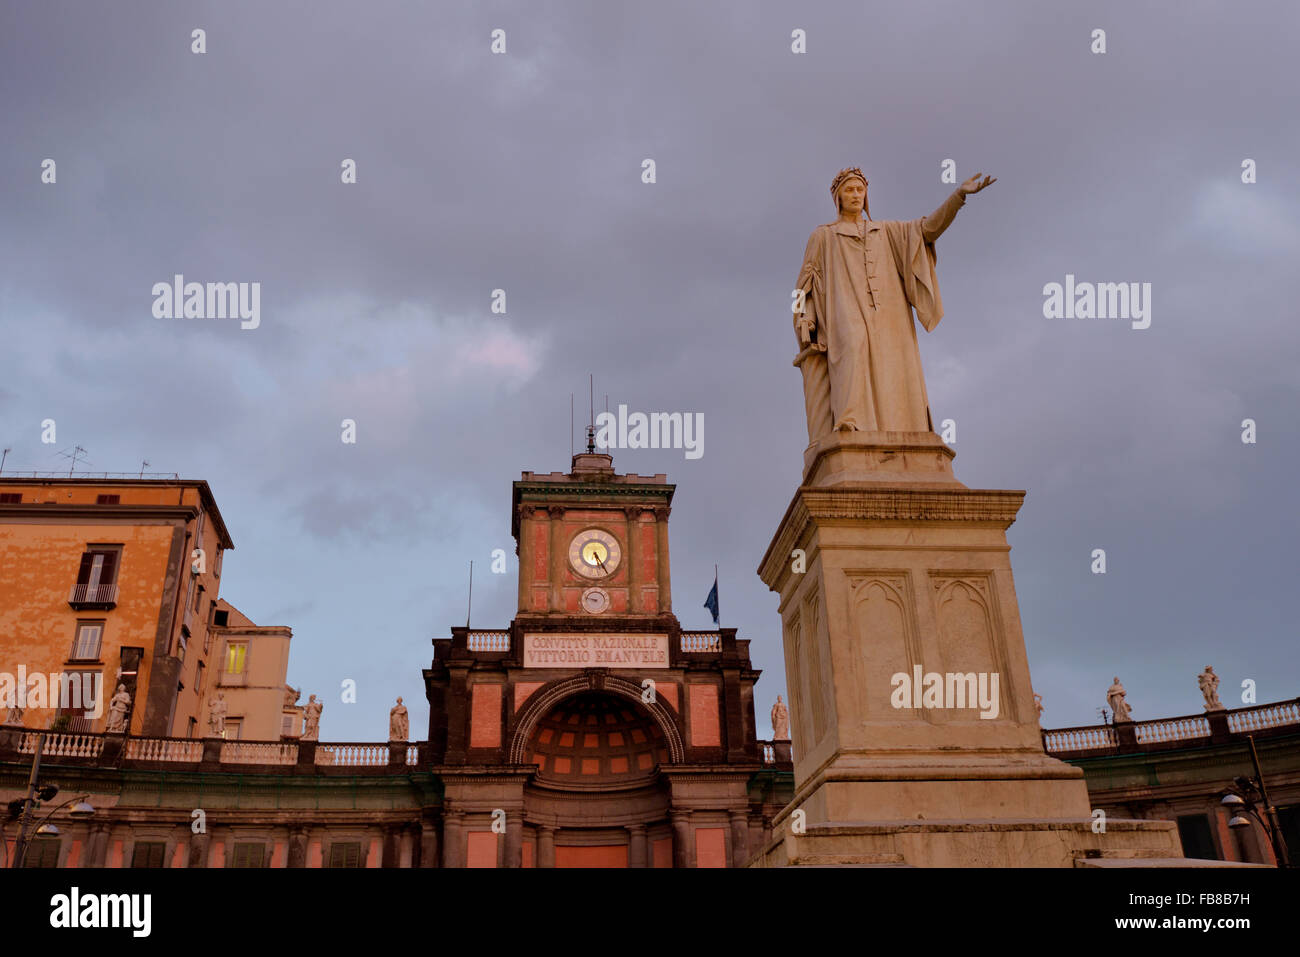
[(975, 184)]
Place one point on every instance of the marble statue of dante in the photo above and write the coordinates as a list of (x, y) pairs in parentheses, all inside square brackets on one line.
[(117, 709), (217, 715), (780, 721), (311, 719), (1115, 696), (398, 725), (1209, 684), (859, 283)]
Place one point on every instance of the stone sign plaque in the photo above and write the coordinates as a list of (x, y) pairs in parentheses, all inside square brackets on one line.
[(595, 651)]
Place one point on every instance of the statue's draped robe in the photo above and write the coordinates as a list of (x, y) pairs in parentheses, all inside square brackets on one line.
[(862, 284)]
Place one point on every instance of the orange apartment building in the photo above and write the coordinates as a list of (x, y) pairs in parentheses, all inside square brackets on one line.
[(119, 578)]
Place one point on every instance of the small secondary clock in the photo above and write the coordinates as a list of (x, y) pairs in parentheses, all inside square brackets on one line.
[(595, 601), (595, 553)]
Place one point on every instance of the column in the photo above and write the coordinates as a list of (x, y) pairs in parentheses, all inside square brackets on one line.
[(391, 846), (525, 551), (739, 838), (428, 843), (635, 602), (515, 839), (683, 839), (297, 847), (558, 556), (452, 839), (636, 846), (661, 558), (97, 851), (546, 846)]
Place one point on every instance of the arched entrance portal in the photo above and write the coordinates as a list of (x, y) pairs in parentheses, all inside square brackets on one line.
[(597, 800)]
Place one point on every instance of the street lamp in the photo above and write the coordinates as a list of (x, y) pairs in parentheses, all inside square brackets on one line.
[(1251, 797), (81, 810)]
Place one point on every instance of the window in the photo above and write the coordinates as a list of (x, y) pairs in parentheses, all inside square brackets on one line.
[(99, 566), (286, 726), (182, 643), (1194, 829), (189, 731), (108, 500), (85, 647), (11, 498), (198, 599), (42, 852), (216, 568), (234, 729), (236, 653), (198, 680), (221, 618), (345, 854), (249, 855), (148, 853)]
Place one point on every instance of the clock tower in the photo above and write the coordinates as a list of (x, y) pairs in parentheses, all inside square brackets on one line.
[(593, 544), (605, 734)]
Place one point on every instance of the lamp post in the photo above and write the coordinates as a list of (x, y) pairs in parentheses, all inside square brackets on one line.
[(35, 795), (1249, 794)]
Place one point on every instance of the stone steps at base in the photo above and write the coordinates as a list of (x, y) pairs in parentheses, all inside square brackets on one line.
[(1112, 863)]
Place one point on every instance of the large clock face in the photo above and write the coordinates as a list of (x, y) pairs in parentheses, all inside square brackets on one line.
[(595, 553)]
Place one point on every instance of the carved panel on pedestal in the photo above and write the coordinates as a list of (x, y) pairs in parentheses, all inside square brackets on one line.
[(795, 670), (887, 639), (971, 635), (819, 682)]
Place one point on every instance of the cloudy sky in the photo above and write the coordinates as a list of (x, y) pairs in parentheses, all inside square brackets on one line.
[(522, 172)]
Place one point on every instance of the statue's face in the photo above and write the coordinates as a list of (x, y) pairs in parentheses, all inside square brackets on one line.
[(852, 195)]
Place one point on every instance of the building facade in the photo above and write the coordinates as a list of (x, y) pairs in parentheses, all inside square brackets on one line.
[(590, 731), (108, 582)]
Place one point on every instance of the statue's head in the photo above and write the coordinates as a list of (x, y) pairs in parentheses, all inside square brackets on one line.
[(399, 700), (849, 189)]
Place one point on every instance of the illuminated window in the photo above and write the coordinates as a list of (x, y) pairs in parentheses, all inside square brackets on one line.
[(236, 654)]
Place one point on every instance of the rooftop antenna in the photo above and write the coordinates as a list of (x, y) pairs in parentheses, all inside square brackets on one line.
[(1105, 715), (570, 426), (471, 594), (591, 428), (144, 464), (77, 453), (4, 456)]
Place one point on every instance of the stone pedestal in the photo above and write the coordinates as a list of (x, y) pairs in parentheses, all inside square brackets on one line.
[(890, 571)]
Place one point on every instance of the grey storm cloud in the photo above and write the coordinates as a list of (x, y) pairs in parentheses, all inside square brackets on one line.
[(522, 172)]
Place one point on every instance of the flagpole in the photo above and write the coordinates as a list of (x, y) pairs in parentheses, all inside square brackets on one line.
[(715, 585)]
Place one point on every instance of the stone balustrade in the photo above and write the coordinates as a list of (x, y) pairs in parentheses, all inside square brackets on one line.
[(353, 755), (697, 641), (164, 749), (488, 640), (259, 752), (1247, 720), (1211, 727)]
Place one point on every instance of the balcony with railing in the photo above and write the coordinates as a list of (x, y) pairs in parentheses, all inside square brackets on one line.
[(86, 596)]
